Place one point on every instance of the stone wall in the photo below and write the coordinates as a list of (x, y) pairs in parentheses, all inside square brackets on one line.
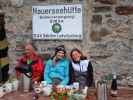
[(111, 36), (108, 33)]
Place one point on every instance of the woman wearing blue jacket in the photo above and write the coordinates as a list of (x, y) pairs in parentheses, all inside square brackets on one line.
[(57, 68)]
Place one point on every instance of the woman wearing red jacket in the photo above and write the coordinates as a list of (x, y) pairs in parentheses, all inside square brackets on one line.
[(33, 63)]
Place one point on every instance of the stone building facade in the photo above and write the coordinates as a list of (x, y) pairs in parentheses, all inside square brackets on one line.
[(107, 36)]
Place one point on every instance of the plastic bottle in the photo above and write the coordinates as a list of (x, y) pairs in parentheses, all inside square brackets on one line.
[(34, 94)]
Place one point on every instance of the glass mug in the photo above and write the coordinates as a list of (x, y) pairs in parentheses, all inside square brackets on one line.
[(76, 85)]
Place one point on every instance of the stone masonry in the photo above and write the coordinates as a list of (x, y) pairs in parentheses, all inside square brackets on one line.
[(108, 34)]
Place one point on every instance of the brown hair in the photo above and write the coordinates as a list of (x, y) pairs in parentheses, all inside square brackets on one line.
[(76, 49)]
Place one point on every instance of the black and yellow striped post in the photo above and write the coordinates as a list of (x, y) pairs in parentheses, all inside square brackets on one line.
[(4, 61)]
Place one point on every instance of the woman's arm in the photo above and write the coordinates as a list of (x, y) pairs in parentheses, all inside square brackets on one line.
[(66, 78), (20, 62), (46, 73), (37, 72), (71, 74), (90, 75)]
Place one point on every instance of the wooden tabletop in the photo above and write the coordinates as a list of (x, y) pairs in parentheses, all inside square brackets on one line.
[(123, 94)]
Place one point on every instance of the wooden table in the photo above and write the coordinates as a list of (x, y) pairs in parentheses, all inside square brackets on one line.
[(123, 94), (91, 95), (28, 96)]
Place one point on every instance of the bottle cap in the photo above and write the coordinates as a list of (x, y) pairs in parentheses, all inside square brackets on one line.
[(114, 76)]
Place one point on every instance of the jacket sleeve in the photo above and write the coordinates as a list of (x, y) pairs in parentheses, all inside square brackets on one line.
[(37, 70), (66, 78), (90, 75), (46, 72), (71, 74), (20, 61)]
